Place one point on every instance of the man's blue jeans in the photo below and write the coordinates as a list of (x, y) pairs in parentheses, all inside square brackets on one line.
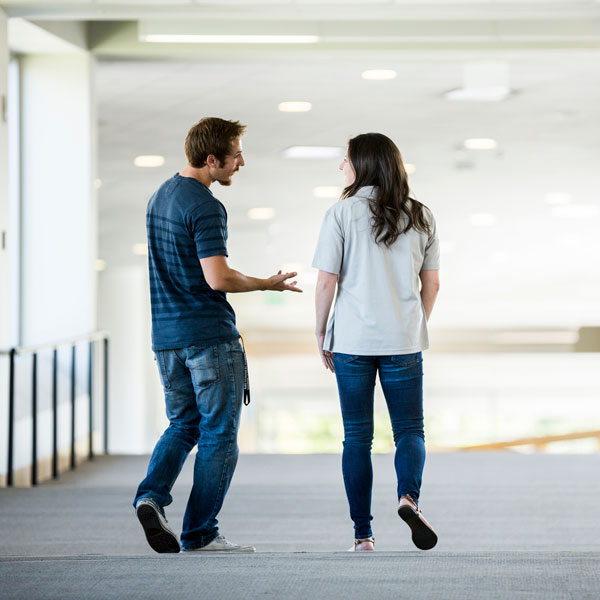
[(203, 394), (401, 378)]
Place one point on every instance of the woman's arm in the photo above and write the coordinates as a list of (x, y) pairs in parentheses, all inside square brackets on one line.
[(430, 286), (324, 293)]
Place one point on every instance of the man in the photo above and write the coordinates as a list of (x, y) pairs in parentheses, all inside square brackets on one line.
[(201, 362)]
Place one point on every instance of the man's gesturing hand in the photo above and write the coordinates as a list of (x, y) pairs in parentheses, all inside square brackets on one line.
[(278, 283)]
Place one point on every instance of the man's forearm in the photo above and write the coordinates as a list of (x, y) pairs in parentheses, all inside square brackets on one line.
[(234, 281), (428, 295)]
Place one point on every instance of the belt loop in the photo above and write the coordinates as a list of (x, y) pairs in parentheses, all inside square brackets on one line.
[(246, 376)]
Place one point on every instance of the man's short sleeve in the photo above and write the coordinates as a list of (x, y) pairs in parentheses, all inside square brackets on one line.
[(330, 247), (208, 227), (431, 259)]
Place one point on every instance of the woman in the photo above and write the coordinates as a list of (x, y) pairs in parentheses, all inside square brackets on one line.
[(375, 245)]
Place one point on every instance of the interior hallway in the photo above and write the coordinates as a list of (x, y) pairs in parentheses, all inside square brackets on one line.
[(510, 526)]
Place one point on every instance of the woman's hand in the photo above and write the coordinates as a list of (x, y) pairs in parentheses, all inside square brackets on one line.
[(326, 357), (324, 291)]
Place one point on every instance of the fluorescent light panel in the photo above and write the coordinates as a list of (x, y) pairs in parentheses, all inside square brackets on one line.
[(149, 160), (379, 74), (192, 38), (174, 31), (294, 106), (261, 213)]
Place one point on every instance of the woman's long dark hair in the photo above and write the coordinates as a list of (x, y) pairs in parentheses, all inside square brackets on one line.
[(377, 161)]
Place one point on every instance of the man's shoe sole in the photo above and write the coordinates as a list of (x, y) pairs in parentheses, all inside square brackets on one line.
[(190, 550), (160, 539), (423, 537)]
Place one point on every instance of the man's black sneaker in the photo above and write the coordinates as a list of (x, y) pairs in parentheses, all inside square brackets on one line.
[(157, 530)]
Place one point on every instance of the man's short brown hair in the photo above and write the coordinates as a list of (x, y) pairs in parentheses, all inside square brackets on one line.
[(211, 135)]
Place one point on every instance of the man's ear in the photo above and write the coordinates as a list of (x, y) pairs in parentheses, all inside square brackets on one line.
[(212, 161)]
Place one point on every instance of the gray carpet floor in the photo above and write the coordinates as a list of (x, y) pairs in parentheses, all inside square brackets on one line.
[(509, 526)]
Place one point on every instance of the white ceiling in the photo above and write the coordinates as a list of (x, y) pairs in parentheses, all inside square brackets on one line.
[(529, 269)]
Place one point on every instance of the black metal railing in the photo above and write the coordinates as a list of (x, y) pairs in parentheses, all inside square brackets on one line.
[(93, 340)]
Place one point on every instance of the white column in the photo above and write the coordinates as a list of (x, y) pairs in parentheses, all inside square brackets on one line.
[(52, 245), (5, 283), (58, 198)]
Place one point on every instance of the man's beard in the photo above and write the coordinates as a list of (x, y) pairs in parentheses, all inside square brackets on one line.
[(227, 182)]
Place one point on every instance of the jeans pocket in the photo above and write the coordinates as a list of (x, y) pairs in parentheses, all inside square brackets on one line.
[(203, 365), (344, 358), (235, 346), (162, 369), (407, 360)]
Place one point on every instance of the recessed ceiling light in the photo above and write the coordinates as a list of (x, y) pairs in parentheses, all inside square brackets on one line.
[(379, 74), (480, 144), (99, 264), (97, 184), (185, 38), (261, 213), (483, 219), (409, 168), (556, 198), (323, 152), (141, 249), (295, 106), (149, 160), (576, 211), (327, 191)]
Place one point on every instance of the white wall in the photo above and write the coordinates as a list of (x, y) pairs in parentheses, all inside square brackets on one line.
[(58, 206), (136, 407)]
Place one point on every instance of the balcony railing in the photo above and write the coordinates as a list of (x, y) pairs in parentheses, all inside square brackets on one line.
[(94, 340)]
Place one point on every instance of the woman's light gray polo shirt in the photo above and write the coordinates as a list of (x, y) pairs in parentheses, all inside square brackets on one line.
[(378, 309)]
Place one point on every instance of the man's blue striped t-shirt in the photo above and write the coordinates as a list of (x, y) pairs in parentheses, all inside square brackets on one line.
[(185, 222)]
